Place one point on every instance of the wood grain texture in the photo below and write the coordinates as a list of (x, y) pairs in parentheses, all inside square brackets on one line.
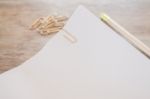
[(18, 43)]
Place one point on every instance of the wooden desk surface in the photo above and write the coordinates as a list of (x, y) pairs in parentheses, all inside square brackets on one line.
[(18, 43)]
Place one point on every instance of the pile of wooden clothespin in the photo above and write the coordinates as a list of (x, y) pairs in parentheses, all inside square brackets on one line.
[(49, 25)]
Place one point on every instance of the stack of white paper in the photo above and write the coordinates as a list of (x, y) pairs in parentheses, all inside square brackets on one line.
[(99, 65)]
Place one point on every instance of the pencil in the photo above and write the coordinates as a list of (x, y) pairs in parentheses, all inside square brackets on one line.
[(128, 36)]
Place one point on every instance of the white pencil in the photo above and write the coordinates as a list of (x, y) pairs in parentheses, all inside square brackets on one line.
[(123, 32)]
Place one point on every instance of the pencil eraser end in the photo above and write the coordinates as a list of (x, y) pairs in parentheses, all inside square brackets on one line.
[(104, 17)]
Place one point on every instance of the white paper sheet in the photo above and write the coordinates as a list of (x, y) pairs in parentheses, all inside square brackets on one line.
[(100, 65)]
